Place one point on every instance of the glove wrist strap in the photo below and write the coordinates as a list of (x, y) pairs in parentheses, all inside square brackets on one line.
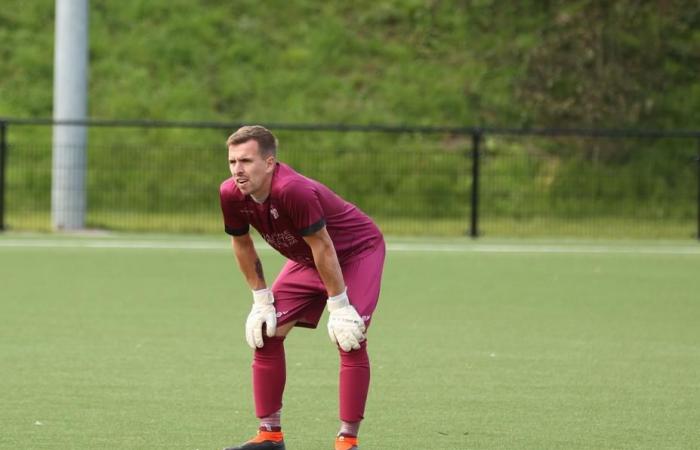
[(338, 301), (263, 296)]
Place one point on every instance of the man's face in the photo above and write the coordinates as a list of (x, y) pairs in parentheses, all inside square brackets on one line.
[(250, 171)]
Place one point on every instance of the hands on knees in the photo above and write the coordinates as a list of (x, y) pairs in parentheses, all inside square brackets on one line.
[(263, 312), (345, 326)]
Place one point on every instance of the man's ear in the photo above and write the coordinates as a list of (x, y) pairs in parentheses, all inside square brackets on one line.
[(270, 162)]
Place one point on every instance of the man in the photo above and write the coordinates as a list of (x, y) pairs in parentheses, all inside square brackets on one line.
[(335, 259)]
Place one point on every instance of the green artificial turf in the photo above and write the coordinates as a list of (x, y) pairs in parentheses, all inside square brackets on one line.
[(475, 345)]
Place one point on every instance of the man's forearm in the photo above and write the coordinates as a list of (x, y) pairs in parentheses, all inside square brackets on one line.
[(326, 261), (328, 268), (254, 274), (249, 262)]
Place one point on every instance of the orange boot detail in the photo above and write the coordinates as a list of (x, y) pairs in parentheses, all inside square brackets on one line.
[(262, 436), (264, 440), (346, 443)]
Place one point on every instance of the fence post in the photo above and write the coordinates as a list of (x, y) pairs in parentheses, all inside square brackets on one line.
[(697, 160), (477, 135), (3, 158)]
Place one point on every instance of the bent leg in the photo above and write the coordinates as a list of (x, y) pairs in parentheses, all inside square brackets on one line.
[(270, 373), (283, 330), (299, 296), (363, 278), (269, 376)]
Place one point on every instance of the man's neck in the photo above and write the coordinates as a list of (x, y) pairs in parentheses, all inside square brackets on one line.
[(262, 196), (259, 200)]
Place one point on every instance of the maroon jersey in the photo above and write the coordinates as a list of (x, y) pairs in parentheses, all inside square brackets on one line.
[(298, 206)]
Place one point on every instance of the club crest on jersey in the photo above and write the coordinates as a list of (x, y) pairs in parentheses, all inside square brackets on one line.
[(274, 212)]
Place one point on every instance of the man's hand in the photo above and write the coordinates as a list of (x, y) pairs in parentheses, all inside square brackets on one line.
[(345, 326), (263, 312)]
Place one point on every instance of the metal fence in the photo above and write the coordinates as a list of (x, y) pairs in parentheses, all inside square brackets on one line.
[(164, 177)]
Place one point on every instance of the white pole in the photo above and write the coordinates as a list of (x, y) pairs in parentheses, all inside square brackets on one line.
[(68, 198)]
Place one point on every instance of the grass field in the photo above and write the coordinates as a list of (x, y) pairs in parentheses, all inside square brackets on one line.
[(489, 226), (135, 342)]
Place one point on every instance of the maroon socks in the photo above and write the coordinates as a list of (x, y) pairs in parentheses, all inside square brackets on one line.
[(354, 383), (269, 377)]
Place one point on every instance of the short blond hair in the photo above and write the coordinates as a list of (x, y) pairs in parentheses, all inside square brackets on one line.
[(267, 141)]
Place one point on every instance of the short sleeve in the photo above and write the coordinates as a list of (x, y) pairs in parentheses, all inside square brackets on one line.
[(234, 222), (303, 204)]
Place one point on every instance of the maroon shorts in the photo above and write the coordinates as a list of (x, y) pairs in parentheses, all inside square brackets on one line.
[(300, 294)]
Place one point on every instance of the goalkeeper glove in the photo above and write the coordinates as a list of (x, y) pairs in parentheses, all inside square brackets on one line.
[(263, 312), (345, 326)]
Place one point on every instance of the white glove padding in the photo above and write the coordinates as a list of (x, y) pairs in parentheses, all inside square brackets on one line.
[(345, 326), (263, 312)]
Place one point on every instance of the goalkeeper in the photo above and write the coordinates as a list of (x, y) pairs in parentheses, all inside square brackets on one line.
[(335, 259)]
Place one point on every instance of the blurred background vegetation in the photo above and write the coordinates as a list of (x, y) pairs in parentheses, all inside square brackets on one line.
[(580, 63)]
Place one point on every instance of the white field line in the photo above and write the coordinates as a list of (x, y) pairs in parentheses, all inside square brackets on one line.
[(548, 248), (392, 247), (115, 244)]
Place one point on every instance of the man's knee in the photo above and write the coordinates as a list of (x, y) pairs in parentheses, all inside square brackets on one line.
[(283, 330), (355, 358)]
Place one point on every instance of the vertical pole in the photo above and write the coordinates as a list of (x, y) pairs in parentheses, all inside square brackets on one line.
[(3, 158), (697, 160), (68, 197), (476, 165)]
